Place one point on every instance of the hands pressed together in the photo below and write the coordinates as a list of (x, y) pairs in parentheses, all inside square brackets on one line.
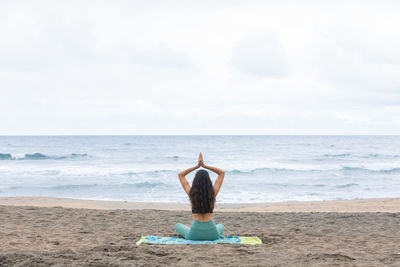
[(201, 162)]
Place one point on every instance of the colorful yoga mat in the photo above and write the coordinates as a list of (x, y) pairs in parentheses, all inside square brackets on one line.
[(249, 240)]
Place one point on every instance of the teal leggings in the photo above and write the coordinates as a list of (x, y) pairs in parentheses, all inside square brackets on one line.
[(200, 230)]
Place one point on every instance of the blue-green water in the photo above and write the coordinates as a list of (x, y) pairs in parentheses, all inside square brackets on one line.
[(144, 168)]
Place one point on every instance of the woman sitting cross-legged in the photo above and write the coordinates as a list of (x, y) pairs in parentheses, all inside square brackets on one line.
[(202, 196)]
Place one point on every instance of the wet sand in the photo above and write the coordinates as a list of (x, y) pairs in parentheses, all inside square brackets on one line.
[(43, 236), (361, 205)]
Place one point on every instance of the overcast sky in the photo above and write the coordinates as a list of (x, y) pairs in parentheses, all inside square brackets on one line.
[(199, 67)]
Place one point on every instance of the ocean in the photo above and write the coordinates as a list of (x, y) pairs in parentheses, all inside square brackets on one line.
[(145, 168)]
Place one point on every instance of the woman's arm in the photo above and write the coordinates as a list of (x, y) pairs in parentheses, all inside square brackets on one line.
[(182, 178), (220, 178)]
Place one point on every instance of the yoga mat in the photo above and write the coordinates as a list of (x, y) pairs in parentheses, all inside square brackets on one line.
[(248, 240)]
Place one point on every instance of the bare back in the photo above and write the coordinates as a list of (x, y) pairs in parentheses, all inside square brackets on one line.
[(202, 217)]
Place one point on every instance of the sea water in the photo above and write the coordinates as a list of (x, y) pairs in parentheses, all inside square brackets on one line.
[(145, 168)]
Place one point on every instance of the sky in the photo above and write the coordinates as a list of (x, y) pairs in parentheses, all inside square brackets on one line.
[(199, 67)]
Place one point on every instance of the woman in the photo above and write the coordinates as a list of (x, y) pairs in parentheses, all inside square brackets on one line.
[(202, 196)]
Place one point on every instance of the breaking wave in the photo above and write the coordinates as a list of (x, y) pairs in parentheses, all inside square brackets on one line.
[(40, 156)]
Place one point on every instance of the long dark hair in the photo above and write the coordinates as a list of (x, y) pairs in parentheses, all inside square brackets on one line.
[(202, 194)]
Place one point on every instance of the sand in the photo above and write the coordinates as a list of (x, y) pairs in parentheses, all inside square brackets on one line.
[(106, 235), (361, 205)]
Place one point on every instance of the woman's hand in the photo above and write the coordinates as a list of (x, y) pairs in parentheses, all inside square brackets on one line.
[(201, 162), (182, 174), (221, 174)]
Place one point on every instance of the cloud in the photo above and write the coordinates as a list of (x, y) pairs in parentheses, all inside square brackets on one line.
[(257, 67), (260, 54), (359, 52), (356, 64), (160, 56)]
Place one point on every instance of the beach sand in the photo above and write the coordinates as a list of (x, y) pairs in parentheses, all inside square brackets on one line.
[(43, 231)]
